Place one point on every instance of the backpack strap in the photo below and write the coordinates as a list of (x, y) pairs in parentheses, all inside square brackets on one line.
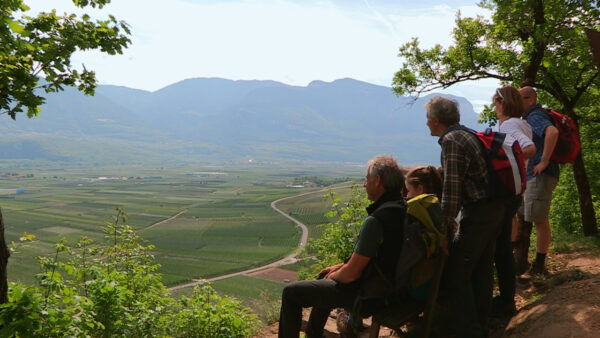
[(484, 151), (417, 207)]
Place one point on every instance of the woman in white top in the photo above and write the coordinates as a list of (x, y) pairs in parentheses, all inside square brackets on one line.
[(509, 109)]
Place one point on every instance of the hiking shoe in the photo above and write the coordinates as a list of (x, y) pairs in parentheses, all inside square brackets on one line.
[(344, 326), (538, 269), (500, 308)]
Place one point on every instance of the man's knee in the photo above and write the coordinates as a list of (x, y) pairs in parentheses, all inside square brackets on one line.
[(290, 291)]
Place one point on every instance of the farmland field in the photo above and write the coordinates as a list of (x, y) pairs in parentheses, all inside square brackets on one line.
[(310, 208), (223, 220)]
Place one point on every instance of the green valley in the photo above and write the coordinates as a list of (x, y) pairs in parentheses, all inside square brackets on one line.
[(203, 221)]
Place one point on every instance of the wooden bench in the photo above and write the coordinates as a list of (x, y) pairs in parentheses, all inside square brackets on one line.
[(396, 316)]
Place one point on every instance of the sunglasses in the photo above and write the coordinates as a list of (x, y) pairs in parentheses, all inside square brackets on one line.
[(498, 97)]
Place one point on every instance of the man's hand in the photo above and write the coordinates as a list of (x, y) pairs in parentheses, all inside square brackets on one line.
[(326, 271), (539, 168)]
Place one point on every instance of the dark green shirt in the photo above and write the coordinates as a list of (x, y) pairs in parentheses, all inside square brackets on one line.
[(370, 238)]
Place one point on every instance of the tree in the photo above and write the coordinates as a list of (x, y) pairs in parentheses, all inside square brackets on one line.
[(538, 43), (35, 52)]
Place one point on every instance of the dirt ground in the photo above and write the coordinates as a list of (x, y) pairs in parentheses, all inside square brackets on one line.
[(566, 303), (276, 274)]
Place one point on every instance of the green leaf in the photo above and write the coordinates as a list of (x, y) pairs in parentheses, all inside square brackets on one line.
[(15, 26)]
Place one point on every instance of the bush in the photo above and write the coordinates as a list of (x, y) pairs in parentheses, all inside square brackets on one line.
[(338, 238), (206, 314), (114, 291)]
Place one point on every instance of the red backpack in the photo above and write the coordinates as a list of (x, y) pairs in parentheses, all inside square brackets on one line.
[(505, 162), (568, 145)]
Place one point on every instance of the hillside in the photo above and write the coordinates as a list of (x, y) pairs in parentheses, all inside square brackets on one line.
[(562, 304), (215, 120)]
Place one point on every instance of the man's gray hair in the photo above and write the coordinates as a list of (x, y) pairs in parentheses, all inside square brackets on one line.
[(445, 109), (392, 176)]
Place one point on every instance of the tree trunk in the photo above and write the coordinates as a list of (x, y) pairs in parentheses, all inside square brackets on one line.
[(588, 216), (4, 254), (586, 207)]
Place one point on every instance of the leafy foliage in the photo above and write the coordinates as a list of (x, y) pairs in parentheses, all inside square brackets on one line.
[(338, 237), (114, 290), (41, 46), (206, 314)]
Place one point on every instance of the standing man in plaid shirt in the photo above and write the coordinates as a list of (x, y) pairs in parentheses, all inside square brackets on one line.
[(469, 270)]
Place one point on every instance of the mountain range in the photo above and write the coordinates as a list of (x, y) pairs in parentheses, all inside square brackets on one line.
[(210, 120)]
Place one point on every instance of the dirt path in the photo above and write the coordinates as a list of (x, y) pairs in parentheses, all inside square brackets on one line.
[(289, 259), (569, 305), (163, 221)]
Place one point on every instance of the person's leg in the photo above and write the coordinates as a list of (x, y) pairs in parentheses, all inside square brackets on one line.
[(483, 285), (503, 257), (521, 244), (323, 295), (472, 251), (515, 229), (540, 217), (543, 236), (490, 215)]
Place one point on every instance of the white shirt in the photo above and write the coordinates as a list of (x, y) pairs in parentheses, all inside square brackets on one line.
[(519, 129)]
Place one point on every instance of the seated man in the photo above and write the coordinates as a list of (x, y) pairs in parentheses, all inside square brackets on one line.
[(379, 243)]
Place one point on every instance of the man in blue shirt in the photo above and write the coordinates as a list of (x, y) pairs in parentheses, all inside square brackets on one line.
[(542, 174)]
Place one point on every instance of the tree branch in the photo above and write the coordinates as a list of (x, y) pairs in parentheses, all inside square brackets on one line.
[(581, 90)]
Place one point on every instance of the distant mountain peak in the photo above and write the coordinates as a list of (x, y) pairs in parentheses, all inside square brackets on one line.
[(318, 83), (207, 119)]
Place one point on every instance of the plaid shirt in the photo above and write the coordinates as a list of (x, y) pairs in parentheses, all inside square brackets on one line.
[(465, 171)]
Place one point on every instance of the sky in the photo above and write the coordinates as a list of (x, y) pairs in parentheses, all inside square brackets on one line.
[(290, 41)]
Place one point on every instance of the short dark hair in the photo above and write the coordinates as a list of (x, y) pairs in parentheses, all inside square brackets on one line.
[(386, 167)]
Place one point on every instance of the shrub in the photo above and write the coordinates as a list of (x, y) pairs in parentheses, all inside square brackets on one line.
[(338, 237), (114, 291)]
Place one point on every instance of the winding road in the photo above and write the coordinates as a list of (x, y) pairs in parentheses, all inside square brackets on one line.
[(291, 258)]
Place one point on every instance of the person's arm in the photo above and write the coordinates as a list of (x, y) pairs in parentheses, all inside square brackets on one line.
[(350, 271), (454, 172), (529, 151), (550, 139)]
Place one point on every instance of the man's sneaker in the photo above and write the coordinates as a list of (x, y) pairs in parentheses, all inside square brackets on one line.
[(500, 308)]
